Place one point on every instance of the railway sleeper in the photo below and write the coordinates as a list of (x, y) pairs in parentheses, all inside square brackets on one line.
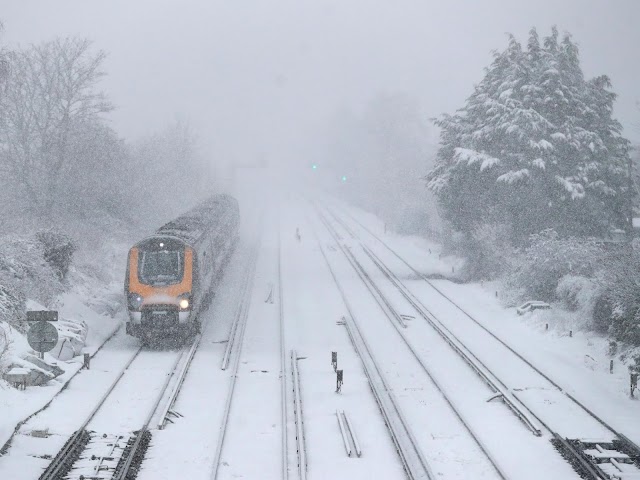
[(138, 456), (597, 459), (626, 446), (63, 462)]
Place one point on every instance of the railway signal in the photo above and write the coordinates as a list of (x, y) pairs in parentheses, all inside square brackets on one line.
[(42, 337)]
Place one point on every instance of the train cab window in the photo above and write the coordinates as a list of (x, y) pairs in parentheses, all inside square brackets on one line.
[(161, 267)]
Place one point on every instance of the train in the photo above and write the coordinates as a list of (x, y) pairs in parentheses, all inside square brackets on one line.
[(171, 274)]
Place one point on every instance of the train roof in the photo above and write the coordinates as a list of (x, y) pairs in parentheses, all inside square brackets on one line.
[(192, 225)]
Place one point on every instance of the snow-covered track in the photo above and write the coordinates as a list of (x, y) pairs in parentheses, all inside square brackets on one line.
[(283, 370), (133, 455), (232, 356), (166, 412), (82, 456), (413, 460), (348, 434), (392, 314), (499, 389), (291, 392), (299, 419), (72, 449), (609, 456), (5, 447)]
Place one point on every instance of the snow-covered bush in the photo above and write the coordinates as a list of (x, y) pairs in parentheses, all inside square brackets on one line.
[(488, 252), (578, 293), (58, 250), (602, 314), (618, 310), (540, 268), (24, 271), (12, 308), (626, 325)]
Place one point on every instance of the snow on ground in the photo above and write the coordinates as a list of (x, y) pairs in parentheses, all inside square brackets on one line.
[(579, 363), (186, 447), (66, 412), (90, 299), (312, 305), (492, 423), (252, 448), (443, 439)]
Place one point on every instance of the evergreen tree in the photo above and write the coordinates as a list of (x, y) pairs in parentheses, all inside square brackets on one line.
[(534, 147)]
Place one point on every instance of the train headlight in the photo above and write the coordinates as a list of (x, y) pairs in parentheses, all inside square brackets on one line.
[(135, 301), (184, 301)]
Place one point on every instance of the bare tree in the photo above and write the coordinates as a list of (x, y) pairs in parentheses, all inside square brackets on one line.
[(51, 93)]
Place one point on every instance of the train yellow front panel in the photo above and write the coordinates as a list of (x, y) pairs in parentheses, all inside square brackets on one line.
[(149, 292)]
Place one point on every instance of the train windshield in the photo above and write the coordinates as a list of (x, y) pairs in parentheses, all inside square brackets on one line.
[(161, 267)]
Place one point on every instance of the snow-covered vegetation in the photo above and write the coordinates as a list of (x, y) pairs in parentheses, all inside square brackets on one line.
[(69, 184), (61, 159), (535, 147), (535, 180)]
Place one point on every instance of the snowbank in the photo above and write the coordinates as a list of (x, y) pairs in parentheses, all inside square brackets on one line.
[(90, 312)]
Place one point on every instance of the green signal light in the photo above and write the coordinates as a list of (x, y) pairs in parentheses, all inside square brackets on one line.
[(344, 178), (314, 166)]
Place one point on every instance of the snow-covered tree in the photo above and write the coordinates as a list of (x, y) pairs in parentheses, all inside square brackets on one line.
[(50, 94), (535, 147)]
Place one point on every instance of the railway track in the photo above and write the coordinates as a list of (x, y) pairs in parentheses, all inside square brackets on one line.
[(605, 455), (5, 448), (293, 449), (88, 454), (232, 355), (283, 370), (377, 378), (291, 395)]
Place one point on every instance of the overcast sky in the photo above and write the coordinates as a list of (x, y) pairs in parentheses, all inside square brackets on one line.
[(258, 74)]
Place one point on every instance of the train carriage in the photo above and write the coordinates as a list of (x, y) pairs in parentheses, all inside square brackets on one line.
[(170, 275)]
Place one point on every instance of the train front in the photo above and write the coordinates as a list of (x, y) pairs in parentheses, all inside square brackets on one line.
[(159, 287)]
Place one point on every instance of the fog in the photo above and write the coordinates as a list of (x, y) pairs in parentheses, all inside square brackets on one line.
[(260, 81)]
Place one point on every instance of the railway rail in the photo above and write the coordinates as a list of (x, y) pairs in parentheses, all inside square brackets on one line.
[(291, 394), (78, 458), (232, 357), (291, 404), (5, 448), (396, 320), (605, 457), (299, 419), (283, 370), (411, 456)]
